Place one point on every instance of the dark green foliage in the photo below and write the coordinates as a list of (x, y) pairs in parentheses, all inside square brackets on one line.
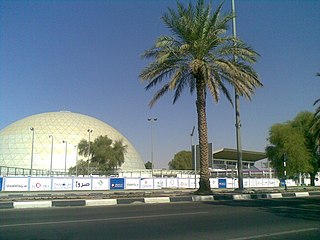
[(181, 161), (294, 141), (105, 154), (148, 165)]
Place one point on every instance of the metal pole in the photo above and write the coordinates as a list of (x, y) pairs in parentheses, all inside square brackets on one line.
[(65, 157), (76, 146), (195, 158), (51, 154), (89, 131), (151, 120), (237, 111), (285, 171), (31, 166)]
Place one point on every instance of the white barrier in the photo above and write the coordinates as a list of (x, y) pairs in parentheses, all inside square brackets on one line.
[(40, 184), (99, 202), (159, 183), (34, 204), (82, 184), (61, 184), (100, 184), (146, 183), (132, 183), (15, 184), (104, 183)]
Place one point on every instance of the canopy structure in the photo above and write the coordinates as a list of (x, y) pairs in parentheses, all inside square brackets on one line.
[(226, 158), (231, 154)]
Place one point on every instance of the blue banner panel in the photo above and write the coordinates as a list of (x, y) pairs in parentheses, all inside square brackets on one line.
[(222, 183), (1, 180), (282, 182), (116, 183)]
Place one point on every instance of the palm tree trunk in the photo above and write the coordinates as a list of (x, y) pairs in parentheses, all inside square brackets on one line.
[(204, 187)]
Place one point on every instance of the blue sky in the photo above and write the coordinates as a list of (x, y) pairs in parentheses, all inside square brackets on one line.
[(84, 56)]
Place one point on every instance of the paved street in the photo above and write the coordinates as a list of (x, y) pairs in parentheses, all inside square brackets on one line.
[(296, 218)]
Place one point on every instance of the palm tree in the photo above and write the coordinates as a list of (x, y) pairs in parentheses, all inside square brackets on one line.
[(316, 123), (199, 55)]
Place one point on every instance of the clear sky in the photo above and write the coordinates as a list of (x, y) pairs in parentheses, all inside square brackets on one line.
[(84, 57)]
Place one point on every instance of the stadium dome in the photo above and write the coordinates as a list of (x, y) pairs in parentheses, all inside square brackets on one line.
[(67, 129)]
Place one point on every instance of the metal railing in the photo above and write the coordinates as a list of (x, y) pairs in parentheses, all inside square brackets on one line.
[(15, 171)]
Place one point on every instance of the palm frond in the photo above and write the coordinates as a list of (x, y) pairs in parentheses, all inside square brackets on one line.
[(159, 94)]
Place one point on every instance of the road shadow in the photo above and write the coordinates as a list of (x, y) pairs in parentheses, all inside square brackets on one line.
[(302, 208)]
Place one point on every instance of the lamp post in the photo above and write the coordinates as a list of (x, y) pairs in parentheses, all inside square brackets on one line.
[(76, 146), (195, 158), (32, 146), (152, 120), (65, 157), (285, 171), (51, 154), (89, 131), (237, 111)]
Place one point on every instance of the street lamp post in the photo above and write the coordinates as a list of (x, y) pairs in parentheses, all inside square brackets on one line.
[(237, 110), (65, 157), (31, 165), (152, 120), (89, 131), (195, 158), (51, 154)]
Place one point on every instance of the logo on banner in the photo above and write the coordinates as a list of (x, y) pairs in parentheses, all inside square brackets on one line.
[(117, 183), (1, 179), (222, 183), (82, 184)]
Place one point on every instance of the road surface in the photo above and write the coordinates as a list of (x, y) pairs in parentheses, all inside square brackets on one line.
[(296, 218)]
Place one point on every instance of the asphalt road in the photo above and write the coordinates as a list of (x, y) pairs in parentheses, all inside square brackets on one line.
[(296, 218)]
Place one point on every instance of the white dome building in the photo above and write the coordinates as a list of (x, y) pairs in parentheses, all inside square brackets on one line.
[(67, 129)]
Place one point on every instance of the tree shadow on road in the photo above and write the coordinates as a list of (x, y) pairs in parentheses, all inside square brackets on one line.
[(302, 208)]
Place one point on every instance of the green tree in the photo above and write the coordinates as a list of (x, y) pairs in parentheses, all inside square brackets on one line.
[(181, 161), (81, 168), (105, 155), (294, 141), (148, 165), (201, 56)]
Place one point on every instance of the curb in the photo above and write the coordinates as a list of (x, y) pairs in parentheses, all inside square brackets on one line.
[(151, 200)]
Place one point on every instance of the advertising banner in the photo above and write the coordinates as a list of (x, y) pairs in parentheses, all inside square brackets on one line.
[(100, 184), (272, 182), (192, 182), (61, 184), (230, 182), (116, 183), (183, 183), (213, 182), (16, 184), (235, 183), (259, 182), (82, 184), (160, 183), (172, 183), (132, 183), (1, 179), (222, 183), (246, 182), (146, 183), (40, 184), (252, 182), (265, 182)]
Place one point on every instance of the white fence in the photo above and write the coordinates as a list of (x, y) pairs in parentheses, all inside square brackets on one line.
[(103, 183)]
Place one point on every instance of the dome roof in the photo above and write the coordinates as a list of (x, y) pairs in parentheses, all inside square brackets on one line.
[(16, 141)]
